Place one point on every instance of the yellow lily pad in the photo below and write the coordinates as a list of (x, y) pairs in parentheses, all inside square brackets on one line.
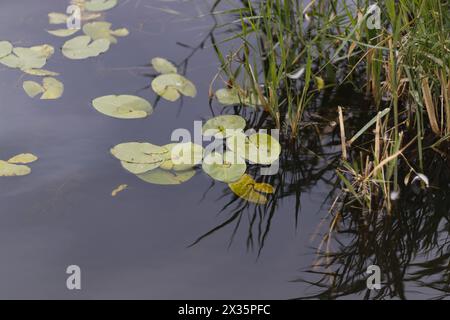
[(102, 30), (248, 189), (223, 126), (99, 5), (23, 158), (164, 177), (226, 168), (51, 88), (12, 170), (259, 148)]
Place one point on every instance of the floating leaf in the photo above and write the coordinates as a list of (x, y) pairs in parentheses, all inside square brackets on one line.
[(259, 148), (11, 170), (63, 32), (123, 106), (23, 158), (163, 66), (119, 189), (248, 189), (83, 47), (170, 86), (136, 152), (100, 5), (102, 30), (182, 156), (41, 72), (32, 88), (226, 168), (28, 58), (139, 168), (164, 177), (5, 48), (57, 18), (51, 88), (235, 96), (223, 126)]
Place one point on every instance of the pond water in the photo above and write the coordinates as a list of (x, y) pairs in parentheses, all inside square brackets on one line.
[(135, 245)]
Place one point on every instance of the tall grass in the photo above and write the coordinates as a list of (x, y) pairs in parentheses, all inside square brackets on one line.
[(288, 52)]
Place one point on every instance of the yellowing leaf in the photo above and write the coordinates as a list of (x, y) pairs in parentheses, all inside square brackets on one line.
[(23, 158), (12, 170), (164, 177), (119, 189), (5, 48), (248, 189), (57, 18), (41, 72), (99, 5)]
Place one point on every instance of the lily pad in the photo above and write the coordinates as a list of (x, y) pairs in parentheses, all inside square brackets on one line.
[(259, 148), (223, 126), (23, 158), (82, 47), (136, 152), (164, 177), (12, 170), (102, 30), (5, 48), (51, 88), (248, 189), (234, 96), (140, 168), (57, 18), (99, 5), (171, 86), (226, 168), (28, 58), (63, 32), (41, 72), (182, 156), (163, 66), (123, 106)]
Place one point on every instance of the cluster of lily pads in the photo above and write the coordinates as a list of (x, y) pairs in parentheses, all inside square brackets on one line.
[(16, 166), (169, 85), (98, 35), (31, 61), (175, 163)]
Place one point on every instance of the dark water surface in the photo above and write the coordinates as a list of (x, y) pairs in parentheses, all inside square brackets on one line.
[(134, 245)]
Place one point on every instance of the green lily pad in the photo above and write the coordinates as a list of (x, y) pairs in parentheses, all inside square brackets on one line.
[(102, 30), (163, 66), (57, 18), (51, 88), (5, 48), (140, 168), (123, 106), (234, 96), (28, 58), (12, 170), (136, 152), (171, 86), (82, 47), (248, 189), (23, 158), (182, 156), (63, 32), (223, 126), (258, 148), (226, 168), (164, 177), (99, 5)]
